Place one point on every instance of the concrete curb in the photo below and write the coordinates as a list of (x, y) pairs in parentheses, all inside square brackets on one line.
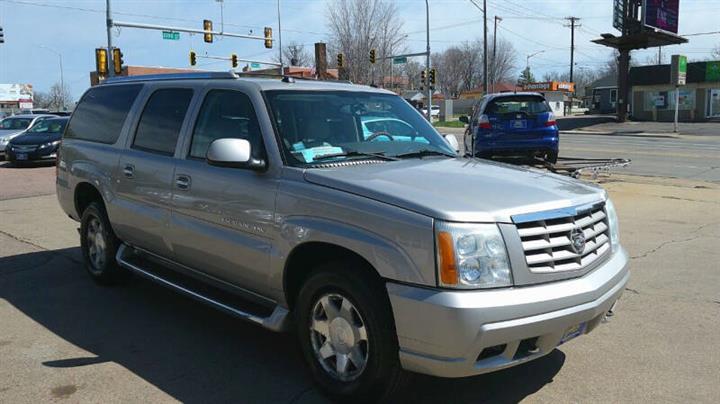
[(619, 134)]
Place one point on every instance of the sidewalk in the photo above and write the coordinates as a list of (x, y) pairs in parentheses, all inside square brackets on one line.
[(589, 125)]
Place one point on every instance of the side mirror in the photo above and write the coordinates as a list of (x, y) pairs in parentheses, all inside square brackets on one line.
[(453, 142), (464, 119), (233, 153)]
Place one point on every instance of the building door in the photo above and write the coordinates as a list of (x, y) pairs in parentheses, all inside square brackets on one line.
[(714, 103)]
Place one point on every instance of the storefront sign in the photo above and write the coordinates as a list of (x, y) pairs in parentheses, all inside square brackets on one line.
[(550, 86), (712, 71), (678, 70), (16, 92)]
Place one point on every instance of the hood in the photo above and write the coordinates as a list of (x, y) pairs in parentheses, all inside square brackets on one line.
[(6, 132), (36, 138), (461, 190)]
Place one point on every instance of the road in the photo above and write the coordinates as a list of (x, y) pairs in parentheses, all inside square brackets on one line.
[(685, 157), (65, 339)]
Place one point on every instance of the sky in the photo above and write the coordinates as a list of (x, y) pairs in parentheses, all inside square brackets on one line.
[(37, 30)]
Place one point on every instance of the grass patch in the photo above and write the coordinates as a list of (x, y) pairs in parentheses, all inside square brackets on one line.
[(449, 124)]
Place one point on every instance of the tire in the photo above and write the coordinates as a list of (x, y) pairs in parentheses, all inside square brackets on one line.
[(360, 302), (551, 157), (99, 245)]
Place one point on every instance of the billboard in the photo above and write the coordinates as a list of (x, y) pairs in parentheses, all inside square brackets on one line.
[(662, 14), (16, 92)]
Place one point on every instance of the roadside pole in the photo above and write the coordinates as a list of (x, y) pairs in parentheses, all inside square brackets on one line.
[(677, 108), (427, 63), (109, 23)]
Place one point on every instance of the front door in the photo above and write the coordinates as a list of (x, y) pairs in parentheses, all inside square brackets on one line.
[(222, 217), (714, 103), (145, 171)]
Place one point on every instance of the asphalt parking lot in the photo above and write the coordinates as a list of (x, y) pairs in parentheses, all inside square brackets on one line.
[(64, 339)]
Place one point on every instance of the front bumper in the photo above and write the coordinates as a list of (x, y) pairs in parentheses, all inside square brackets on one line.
[(463, 333), (34, 155)]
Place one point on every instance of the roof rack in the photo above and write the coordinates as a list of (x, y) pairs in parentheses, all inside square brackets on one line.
[(172, 76)]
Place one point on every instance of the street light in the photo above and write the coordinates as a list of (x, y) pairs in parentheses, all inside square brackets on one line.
[(527, 63), (62, 76)]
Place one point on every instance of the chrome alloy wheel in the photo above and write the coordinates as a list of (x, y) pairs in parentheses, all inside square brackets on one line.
[(339, 337), (96, 244)]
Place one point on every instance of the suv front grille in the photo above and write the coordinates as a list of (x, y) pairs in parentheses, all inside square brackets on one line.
[(548, 244)]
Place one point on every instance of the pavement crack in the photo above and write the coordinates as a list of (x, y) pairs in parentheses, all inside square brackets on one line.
[(631, 290), (21, 240), (685, 240)]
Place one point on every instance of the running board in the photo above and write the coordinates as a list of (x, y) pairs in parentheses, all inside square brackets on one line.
[(277, 320)]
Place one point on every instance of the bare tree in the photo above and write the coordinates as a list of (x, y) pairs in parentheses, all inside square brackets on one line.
[(41, 100), (716, 52), (358, 26), (295, 54), (502, 66), (59, 98)]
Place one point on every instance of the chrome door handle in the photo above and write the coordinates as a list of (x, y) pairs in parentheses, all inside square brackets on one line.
[(182, 182), (129, 170)]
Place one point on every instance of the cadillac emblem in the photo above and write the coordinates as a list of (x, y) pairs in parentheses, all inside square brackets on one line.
[(577, 241)]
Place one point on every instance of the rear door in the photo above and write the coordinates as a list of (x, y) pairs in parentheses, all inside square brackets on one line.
[(518, 116), (145, 170)]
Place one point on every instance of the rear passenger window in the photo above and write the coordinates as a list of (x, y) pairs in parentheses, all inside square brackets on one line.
[(100, 115), (226, 114), (162, 119)]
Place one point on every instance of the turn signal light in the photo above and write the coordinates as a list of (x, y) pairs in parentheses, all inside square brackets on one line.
[(446, 255)]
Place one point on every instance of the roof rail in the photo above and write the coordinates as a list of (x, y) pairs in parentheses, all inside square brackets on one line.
[(171, 76)]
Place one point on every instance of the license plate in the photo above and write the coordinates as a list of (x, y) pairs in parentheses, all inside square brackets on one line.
[(572, 332), (21, 156), (519, 124)]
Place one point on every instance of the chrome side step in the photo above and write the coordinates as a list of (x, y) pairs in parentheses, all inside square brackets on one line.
[(277, 321)]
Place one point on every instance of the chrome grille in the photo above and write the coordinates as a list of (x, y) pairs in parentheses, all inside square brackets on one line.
[(548, 243), (24, 148)]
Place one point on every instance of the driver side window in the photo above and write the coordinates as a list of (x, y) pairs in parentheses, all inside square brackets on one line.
[(226, 114)]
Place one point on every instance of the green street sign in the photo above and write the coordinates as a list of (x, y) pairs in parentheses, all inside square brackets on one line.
[(400, 60), (678, 70), (255, 65), (171, 35)]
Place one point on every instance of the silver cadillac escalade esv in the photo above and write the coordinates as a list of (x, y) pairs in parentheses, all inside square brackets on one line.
[(336, 210)]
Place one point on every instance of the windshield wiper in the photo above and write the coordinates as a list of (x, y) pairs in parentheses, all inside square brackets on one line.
[(424, 153), (353, 153)]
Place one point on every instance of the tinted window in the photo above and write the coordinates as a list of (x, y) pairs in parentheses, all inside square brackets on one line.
[(226, 114), (162, 119), (49, 126), (101, 113), (517, 104)]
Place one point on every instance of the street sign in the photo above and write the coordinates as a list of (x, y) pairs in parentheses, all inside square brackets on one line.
[(401, 60), (171, 35), (254, 65), (661, 14), (619, 14), (678, 70)]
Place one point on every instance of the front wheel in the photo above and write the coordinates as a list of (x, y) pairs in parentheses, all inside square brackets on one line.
[(551, 157), (347, 334)]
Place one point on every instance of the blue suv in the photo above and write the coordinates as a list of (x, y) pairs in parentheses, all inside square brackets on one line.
[(513, 124)]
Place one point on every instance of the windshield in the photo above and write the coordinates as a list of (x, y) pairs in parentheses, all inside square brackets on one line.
[(326, 125), (15, 123), (49, 126), (530, 105)]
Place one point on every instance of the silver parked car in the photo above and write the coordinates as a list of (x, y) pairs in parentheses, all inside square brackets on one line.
[(16, 125), (386, 252)]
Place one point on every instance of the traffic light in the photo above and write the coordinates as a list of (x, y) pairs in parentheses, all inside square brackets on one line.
[(193, 58), (373, 56), (341, 60), (433, 74), (207, 27), (101, 61), (423, 76), (118, 60), (268, 38), (2, 35), (234, 60)]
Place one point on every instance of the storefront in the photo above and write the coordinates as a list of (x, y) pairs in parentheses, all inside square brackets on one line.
[(15, 98), (654, 97)]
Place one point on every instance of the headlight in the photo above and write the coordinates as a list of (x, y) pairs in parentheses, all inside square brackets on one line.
[(614, 225), (471, 256), (50, 144)]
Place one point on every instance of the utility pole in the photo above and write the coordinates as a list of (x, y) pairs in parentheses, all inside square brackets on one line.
[(495, 64), (427, 62), (485, 48), (109, 22), (659, 55), (572, 26), (282, 69)]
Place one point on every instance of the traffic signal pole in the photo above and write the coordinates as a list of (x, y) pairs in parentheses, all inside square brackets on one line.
[(109, 24), (427, 63)]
